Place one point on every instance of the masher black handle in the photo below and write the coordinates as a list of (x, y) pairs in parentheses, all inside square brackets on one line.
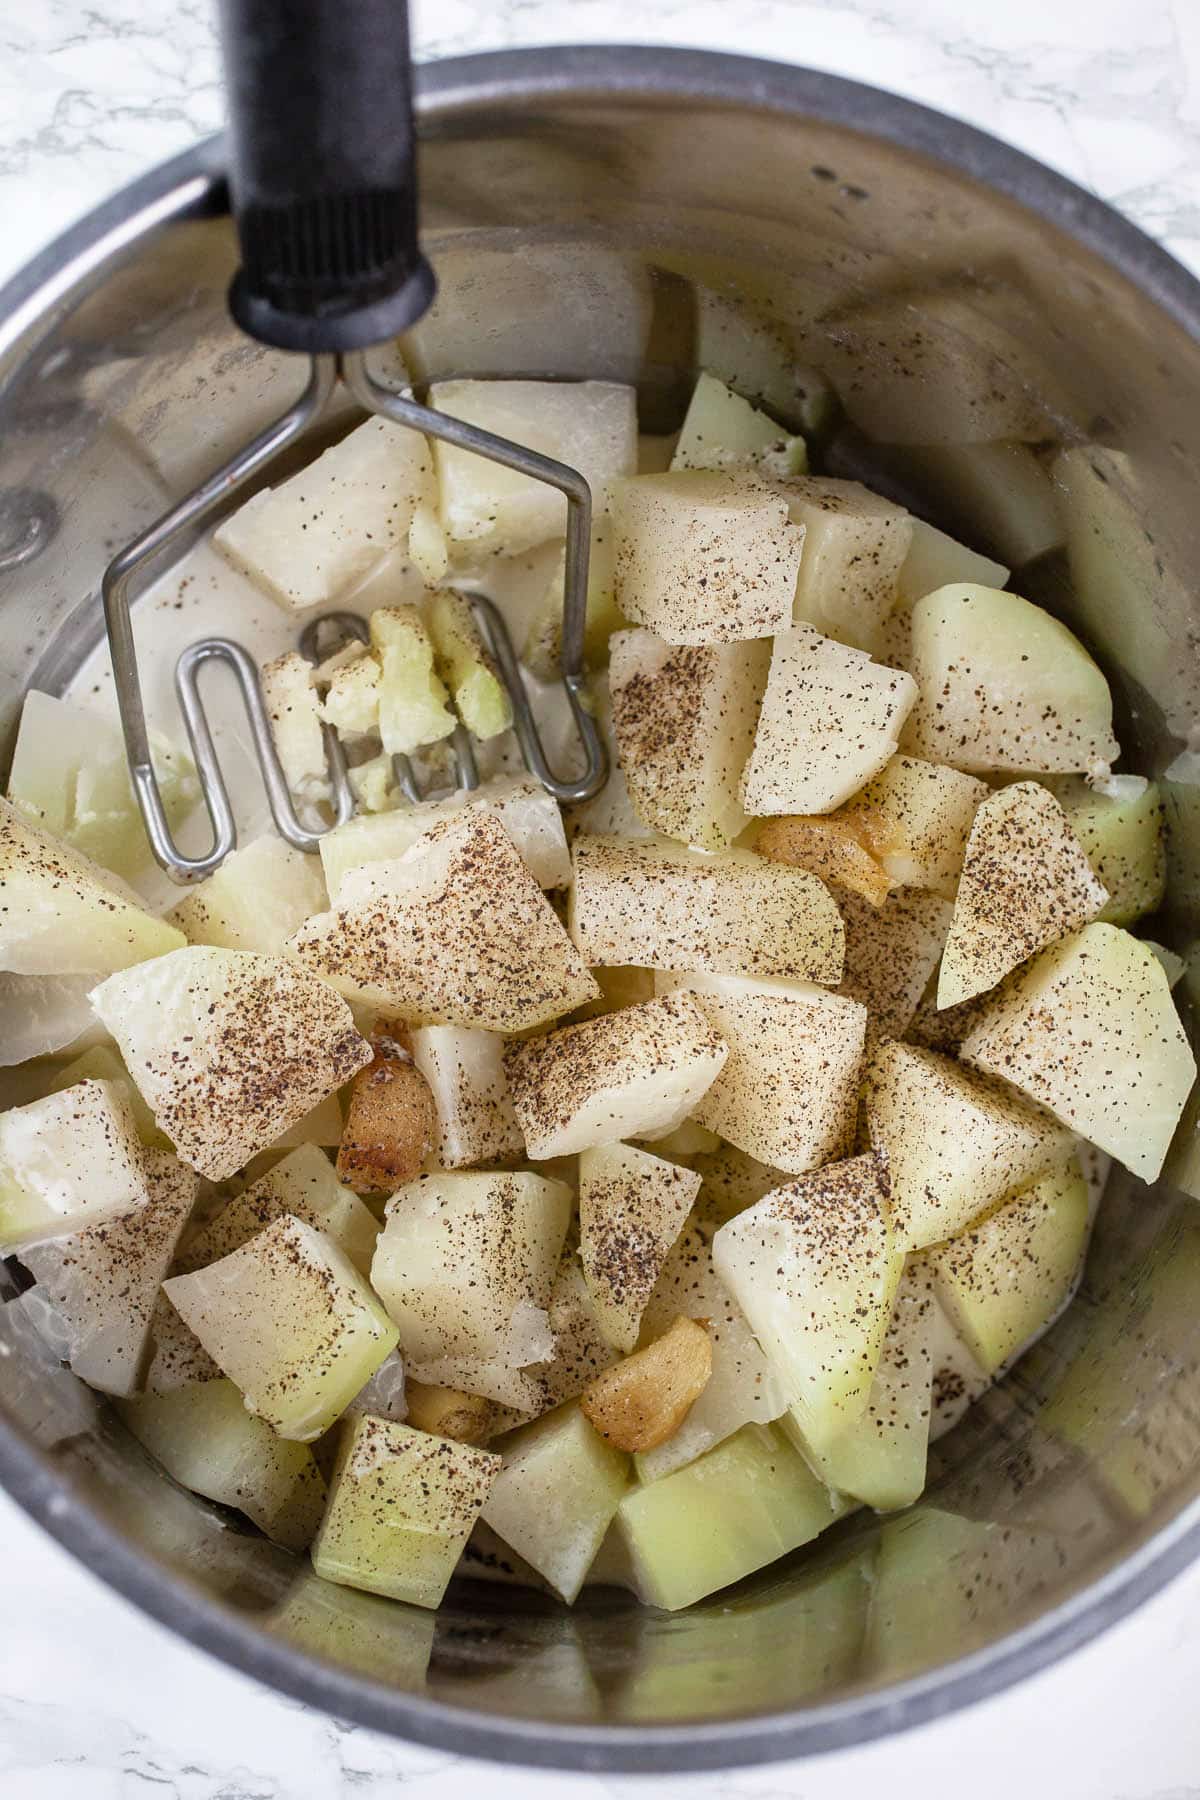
[(322, 172)]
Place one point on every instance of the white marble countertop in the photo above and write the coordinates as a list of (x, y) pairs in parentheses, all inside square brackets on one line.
[(96, 1702)]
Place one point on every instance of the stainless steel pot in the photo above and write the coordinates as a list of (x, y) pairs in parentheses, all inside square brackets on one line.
[(583, 208)]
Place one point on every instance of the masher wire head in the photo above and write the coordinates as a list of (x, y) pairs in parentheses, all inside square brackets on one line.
[(126, 572)]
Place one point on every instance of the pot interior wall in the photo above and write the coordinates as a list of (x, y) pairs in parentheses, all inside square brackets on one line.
[(639, 241)]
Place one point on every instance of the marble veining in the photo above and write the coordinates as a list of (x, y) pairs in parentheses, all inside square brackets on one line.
[(96, 1701)]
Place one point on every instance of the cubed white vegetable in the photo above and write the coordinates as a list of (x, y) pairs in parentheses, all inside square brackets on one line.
[(590, 425), (258, 897), (319, 534), (465, 1072), (265, 1041), (70, 1160), (831, 718), (634, 1073)]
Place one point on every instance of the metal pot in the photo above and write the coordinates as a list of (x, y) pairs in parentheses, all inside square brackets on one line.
[(614, 212)]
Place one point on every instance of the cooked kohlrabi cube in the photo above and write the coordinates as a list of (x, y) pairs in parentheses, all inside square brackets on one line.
[(880, 1459), (634, 1073), (527, 812), (467, 667), (291, 1322), (741, 1506), (1026, 883), (70, 775), (891, 952), (683, 716), (935, 560), (831, 718), (485, 508), (1004, 1280), (1090, 1031), (788, 1093), (70, 1160), (414, 707), (320, 533), (103, 1279), (43, 1014), (460, 1253), (555, 1497), (207, 1441), (916, 817), (256, 899), (661, 906), (265, 1042), (722, 431), (401, 1507), (705, 557), (295, 714), (454, 932), (814, 1267), (1005, 687), (1120, 824), (103, 1063), (465, 1072), (61, 914), (855, 544), (304, 1184), (632, 1207), (352, 691), (955, 1141)]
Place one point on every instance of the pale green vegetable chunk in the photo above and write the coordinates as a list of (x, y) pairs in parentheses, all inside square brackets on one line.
[(632, 1207), (414, 707), (1090, 1031), (103, 1279), (291, 1322), (855, 544), (351, 700), (320, 534), (527, 812), (1004, 1280), (814, 1267), (556, 1495), (304, 1184), (401, 1507), (891, 952), (541, 650), (831, 718), (464, 1258), (683, 716), (207, 1441), (1004, 687), (292, 706), (103, 1063), (661, 906), (265, 1041), (722, 431), (741, 1506), (590, 425), (915, 818), (70, 776), (935, 560), (1026, 883), (1121, 828), (465, 1072), (62, 914), (466, 666), (788, 1093), (955, 1141), (703, 556), (456, 931), (257, 898), (635, 1073), (880, 1459), (70, 1160)]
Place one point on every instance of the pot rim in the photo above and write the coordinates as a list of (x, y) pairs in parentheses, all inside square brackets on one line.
[(192, 185)]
